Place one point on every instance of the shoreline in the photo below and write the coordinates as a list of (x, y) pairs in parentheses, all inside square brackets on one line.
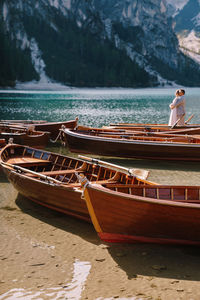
[(53, 87), (47, 254)]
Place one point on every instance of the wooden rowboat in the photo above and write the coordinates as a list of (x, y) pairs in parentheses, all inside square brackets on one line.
[(148, 131), (151, 130), (49, 179), (124, 144), (156, 125), (52, 127), (153, 214), (24, 136)]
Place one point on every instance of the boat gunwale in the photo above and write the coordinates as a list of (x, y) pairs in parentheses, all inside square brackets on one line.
[(32, 148), (45, 182), (137, 198), (74, 133), (73, 185)]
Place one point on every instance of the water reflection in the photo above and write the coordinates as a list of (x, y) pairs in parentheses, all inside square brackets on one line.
[(70, 291), (96, 107)]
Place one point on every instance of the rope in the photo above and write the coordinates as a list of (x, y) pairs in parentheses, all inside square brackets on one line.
[(83, 191), (54, 141), (82, 179)]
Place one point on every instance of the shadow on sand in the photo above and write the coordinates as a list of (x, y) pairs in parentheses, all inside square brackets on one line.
[(3, 178), (58, 220), (175, 262), (179, 263)]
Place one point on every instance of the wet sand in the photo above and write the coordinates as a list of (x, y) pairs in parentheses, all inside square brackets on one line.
[(48, 255)]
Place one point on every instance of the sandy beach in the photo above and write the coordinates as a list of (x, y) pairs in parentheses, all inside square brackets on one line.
[(48, 255)]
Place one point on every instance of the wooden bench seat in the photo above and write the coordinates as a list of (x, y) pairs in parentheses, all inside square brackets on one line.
[(77, 184), (55, 173), (59, 172), (27, 161)]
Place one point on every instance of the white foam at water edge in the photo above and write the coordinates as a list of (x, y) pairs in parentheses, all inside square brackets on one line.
[(71, 291)]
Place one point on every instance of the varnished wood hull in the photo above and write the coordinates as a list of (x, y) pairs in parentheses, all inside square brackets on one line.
[(54, 127), (159, 131), (51, 179), (38, 140), (119, 217), (83, 143), (59, 198), (155, 125)]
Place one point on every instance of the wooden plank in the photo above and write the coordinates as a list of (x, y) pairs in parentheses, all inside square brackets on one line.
[(157, 192), (57, 172), (54, 163), (60, 172), (77, 184), (27, 161)]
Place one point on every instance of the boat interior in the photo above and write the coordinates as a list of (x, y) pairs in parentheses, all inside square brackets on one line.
[(6, 130), (185, 194), (168, 138), (41, 164)]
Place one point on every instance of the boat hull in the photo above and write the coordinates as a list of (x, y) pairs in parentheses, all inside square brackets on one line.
[(38, 140), (52, 180), (54, 127), (118, 217), (82, 143), (63, 199)]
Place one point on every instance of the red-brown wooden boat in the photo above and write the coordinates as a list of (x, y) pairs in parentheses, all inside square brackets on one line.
[(153, 214), (52, 127), (125, 144), (152, 130), (24, 136), (157, 125), (144, 131), (49, 179)]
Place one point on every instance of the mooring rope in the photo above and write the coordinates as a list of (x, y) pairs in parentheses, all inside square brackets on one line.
[(84, 183), (54, 141)]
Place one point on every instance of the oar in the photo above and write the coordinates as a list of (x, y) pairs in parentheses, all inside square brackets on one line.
[(14, 126), (190, 118), (87, 128), (48, 178), (177, 122), (142, 174)]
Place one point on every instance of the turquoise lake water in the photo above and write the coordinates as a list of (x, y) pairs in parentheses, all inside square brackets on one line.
[(96, 107)]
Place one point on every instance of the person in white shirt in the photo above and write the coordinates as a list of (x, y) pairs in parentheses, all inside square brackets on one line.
[(177, 109)]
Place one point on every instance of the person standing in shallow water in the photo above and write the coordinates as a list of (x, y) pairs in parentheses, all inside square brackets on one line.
[(177, 109)]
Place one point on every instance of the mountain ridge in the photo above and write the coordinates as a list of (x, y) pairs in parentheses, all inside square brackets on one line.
[(94, 43)]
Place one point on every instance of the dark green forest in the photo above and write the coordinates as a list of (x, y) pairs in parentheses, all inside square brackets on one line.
[(15, 64), (187, 74), (72, 55), (82, 56)]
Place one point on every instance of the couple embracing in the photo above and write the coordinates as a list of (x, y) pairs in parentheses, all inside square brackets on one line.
[(177, 109)]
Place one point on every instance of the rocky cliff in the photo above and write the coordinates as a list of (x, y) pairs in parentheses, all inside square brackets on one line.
[(92, 43), (187, 27)]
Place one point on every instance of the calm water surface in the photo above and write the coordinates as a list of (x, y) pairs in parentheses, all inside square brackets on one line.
[(96, 107)]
